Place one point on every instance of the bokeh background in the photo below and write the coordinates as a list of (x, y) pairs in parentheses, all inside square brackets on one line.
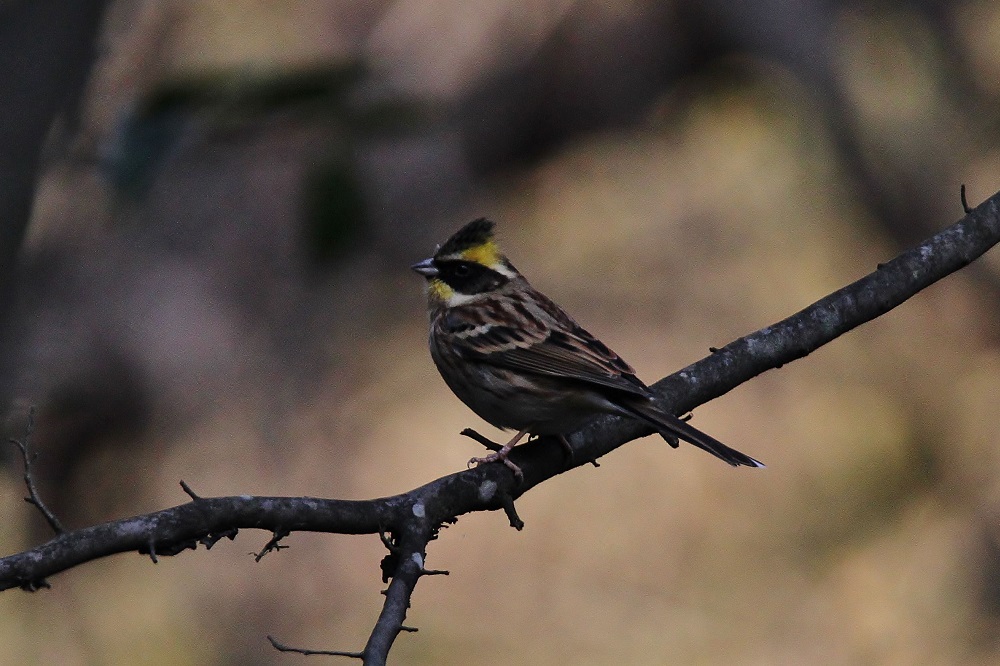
[(212, 285)]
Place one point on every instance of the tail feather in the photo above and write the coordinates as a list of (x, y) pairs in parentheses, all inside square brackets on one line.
[(672, 428)]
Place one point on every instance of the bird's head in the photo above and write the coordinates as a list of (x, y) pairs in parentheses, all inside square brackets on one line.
[(468, 265)]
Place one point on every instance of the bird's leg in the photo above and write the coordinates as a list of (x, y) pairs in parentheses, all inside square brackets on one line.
[(566, 445), (671, 438), (501, 455)]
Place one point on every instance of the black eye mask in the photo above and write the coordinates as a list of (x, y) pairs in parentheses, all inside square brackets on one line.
[(468, 277)]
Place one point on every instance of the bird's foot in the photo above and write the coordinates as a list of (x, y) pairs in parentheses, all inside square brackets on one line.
[(499, 456)]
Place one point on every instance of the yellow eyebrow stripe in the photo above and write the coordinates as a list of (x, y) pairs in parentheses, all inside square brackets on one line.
[(487, 254)]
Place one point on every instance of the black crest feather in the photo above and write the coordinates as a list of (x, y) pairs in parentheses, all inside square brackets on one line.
[(472, 234)]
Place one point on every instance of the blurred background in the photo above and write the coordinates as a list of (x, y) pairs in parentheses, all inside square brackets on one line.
[(208, 212)]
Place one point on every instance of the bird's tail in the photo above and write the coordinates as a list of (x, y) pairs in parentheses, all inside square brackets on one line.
[(672, 428)]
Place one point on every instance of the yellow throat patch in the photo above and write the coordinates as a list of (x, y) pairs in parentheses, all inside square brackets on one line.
[(440, 290)]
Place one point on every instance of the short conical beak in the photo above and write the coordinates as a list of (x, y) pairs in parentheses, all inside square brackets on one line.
[(425, 268)]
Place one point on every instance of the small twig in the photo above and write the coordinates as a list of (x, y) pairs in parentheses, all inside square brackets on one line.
[(965, 202), (280, 647), (35, 585), (210, 540), (152, 550), (273, 544), (28, 457), (482, 439), (434, 572), (388, 542), (190, 493), (508, 508)]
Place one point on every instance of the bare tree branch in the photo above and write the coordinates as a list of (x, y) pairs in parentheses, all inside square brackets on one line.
[(28, 458), (409, 521), (281, 647)]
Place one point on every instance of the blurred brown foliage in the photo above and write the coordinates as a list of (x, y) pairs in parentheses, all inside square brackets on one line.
[(214, 287)]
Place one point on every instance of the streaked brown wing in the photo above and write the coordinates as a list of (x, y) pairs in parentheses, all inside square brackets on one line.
[(547, 342), (578, 356)]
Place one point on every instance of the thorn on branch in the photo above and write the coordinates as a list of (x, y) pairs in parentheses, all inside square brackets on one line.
[(279, 534), (412, 630), (190, 493), (434, 572), (566, 447), (672, 440), (482, 439), (35, 585), (436, 529), (280, 647), (29, 457), (388, 541), (210, 540), (156, 551), (508, 508), (965, 202), (388, 565)]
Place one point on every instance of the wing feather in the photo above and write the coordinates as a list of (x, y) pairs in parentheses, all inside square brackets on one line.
[(547, 342)]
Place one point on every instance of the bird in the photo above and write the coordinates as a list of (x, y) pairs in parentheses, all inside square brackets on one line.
[(521, 363)]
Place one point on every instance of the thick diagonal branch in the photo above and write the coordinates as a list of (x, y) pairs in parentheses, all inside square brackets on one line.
[(414, 517)]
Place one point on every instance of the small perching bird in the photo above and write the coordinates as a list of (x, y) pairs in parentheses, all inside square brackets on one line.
[(520, 362)]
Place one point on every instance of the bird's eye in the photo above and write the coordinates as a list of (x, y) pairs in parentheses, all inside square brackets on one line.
[(462, 270)]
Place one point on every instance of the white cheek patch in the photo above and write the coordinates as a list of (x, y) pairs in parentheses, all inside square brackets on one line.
[(455, 299)]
